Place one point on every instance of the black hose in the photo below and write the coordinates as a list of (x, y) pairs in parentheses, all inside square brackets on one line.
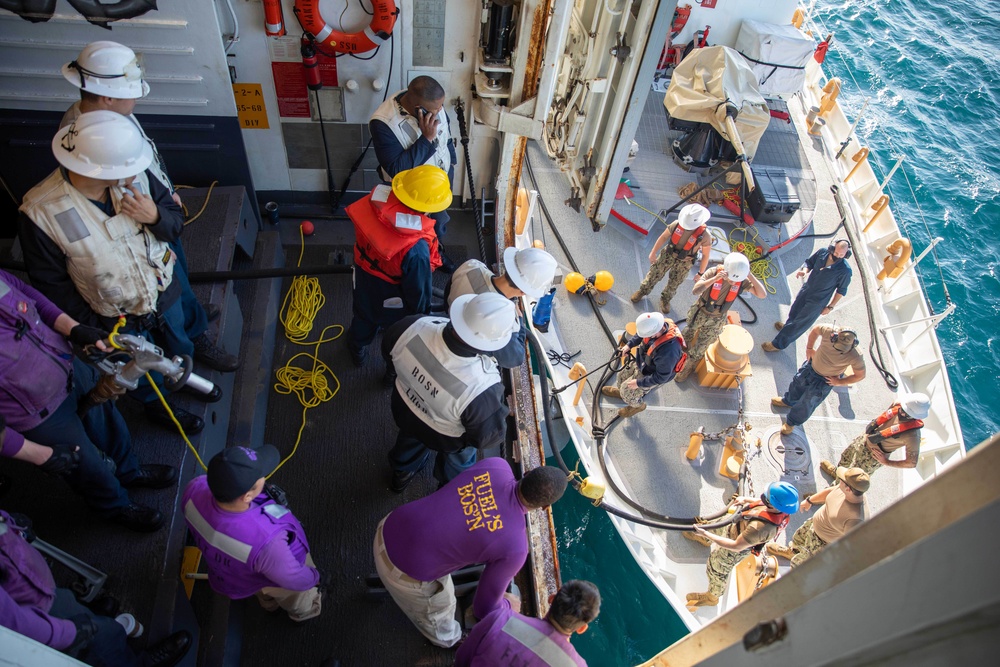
[(569, 255), (874, 349), (464, 133), (261, 274), (682, 524)]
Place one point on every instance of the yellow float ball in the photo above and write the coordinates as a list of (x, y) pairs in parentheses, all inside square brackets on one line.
[(574, 282), (603, 281)]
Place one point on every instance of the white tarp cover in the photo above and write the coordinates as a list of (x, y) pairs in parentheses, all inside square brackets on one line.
[(705, 80), (774, 45)]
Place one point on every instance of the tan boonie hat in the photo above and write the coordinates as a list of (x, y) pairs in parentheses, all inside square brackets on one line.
[(856, 478)]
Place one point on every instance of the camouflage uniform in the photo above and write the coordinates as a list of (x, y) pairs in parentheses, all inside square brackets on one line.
[(702, 329), (720, 563), (858, 455), (677, 264), (631, 396), (806, 543)]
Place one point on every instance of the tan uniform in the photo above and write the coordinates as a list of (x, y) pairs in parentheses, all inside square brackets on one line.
[(858, 454), (834, 518), (722, 561), (705, 320)]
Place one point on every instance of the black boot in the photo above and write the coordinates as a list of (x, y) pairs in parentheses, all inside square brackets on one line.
[(153, 476), (156, 413), (167, 652), (214, 356), (139, 518)]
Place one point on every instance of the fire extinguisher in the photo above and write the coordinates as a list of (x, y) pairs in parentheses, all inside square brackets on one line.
[(310, 63), (274, 19)]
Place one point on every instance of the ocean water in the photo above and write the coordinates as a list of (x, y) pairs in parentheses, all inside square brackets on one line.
[(932, 71)]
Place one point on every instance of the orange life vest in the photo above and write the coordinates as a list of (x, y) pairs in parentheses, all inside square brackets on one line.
[(876, 434), (758, 510), (714, 304), (672, 333), (680, 244), (380, 245)]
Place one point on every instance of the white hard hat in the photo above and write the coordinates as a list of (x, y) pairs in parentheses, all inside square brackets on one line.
[(917, 406), (102, 144), (108, 69), (483, 321), (737, 266), (693, 216), (649, 324), (531, 270)]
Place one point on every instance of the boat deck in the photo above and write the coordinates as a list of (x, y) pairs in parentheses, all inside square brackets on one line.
[(646, 452)]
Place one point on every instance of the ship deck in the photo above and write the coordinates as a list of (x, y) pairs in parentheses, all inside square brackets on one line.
[(646, 452)]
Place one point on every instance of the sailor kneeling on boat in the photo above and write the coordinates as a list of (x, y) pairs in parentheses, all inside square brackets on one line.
[(761, 523), (478, 517), (506, 637), (657, 353), (252, 544), (896, 428)]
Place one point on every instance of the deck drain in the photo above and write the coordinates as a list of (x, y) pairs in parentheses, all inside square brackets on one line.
[(790, 453)]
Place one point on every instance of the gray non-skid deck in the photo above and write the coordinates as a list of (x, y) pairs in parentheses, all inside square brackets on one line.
[(648, 450)]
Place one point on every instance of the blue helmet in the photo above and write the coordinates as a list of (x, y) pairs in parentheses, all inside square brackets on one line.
[(783, 497)]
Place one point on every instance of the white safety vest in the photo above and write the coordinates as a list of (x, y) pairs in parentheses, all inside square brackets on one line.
[(407, 131), (116, 263), (157, 167), (436, 383), (472, 277)]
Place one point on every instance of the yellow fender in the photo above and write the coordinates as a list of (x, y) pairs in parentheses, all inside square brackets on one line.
[(831, 90), (879, 206), (899, 254), (521, 211), (798, 18), (860, 158)]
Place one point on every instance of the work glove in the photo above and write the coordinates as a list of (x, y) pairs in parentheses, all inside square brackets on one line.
[(83, 335), (64, 460), (86, 629)]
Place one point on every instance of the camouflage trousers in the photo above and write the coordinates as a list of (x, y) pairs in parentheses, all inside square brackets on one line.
[(701, 330), (670, 262), (720, 563), (857, 455), (632, 397), (806, 543)]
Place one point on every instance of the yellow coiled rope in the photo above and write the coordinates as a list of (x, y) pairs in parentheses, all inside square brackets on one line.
[(302, 303), (747, 241)]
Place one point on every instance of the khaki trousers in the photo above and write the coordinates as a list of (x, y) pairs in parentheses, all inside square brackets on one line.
[(300, 605), (429, 604)]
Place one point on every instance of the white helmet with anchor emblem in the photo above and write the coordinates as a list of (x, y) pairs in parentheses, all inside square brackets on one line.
[(102, 144)]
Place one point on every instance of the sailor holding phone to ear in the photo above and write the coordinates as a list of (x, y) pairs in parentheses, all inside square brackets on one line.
[(410, 129)]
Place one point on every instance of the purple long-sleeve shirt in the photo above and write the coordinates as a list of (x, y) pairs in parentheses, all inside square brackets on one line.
[(27, 591), (490, 645), (16, 292), (475, 518)]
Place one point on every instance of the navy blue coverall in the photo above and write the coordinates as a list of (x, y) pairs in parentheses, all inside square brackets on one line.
[(814, 296)]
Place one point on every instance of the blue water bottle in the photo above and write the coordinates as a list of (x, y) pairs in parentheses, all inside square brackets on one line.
[(543, 311)]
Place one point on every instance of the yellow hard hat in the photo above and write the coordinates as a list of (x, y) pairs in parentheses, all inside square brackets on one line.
[(574, 282), (424, 188), (603, 281)]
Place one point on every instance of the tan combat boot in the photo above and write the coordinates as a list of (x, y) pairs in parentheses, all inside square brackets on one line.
[(779, 402), (630, 410), (786, 429), (637, 296), (696, 537), (828, 468), (701, 600), (780, 551), (769, 347), (779, 326), (611, 391)]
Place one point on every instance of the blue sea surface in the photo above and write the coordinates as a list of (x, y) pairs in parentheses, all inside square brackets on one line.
[(932, 71)]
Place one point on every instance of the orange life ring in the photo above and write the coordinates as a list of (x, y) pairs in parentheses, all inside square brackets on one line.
[(384, 15)]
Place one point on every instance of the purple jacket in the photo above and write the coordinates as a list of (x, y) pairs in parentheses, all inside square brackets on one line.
[(247, 551), (508, 639), (27, 591), (36, 362), (475, 518)]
